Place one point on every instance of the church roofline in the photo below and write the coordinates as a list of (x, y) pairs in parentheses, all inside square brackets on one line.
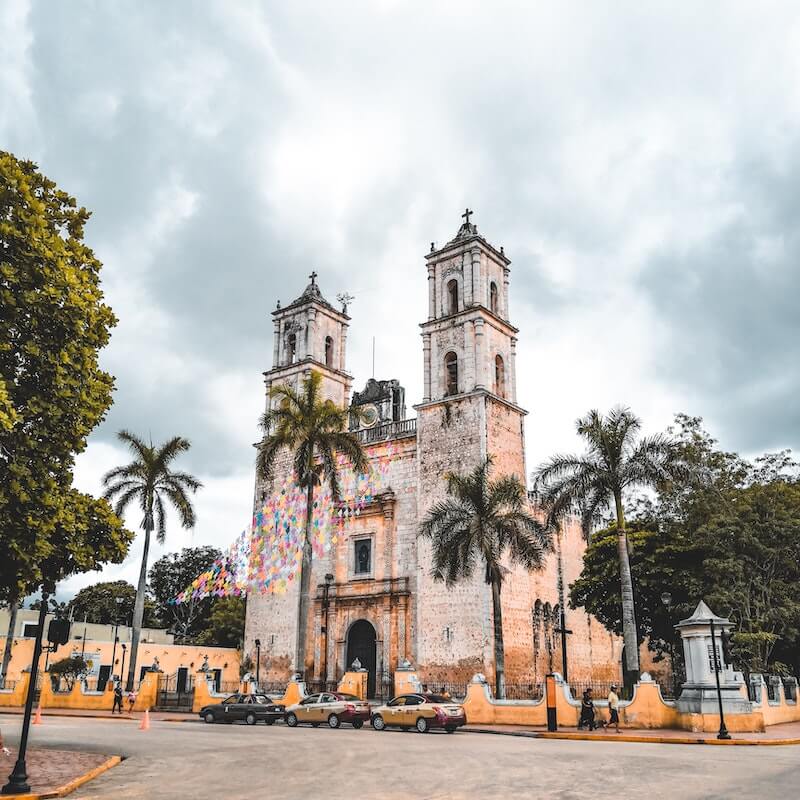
[(455, 244), (307, 363), (324, 304), (471, 393)]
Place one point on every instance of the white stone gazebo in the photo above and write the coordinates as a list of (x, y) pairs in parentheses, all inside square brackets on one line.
[(699, 692)]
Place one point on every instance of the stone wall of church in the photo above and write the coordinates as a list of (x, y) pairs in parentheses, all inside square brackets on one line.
[(453, 624)]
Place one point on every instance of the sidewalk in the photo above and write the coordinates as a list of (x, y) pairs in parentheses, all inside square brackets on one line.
[(163, 716), (55, 773), (788, 733)]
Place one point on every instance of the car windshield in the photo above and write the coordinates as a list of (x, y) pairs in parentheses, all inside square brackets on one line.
[(234, 698), (437, 698)]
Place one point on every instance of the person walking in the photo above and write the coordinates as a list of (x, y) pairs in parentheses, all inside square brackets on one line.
[(587, 711), (117, 698), (613, 707), (131, 701)]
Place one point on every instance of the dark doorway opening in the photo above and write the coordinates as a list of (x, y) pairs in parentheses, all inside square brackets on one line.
[(361, 641), (182, 680)]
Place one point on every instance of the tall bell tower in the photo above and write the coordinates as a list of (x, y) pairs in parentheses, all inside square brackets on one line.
[(468, 412)]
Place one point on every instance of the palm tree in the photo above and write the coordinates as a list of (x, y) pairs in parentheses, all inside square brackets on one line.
[(591, 484), (313, 430), (483, 521), (149, 482)]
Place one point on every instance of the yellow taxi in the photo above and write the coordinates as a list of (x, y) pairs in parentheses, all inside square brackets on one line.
[(420, 711), (332, 708)]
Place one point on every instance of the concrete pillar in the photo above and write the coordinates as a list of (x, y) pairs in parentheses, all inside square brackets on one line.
[(512, 372), (426, 358), (281, 335), (478, 293), (431, 291), (276, 342), (504, 312), (342, 349), (480, 354), (311, 333), (466, 264)]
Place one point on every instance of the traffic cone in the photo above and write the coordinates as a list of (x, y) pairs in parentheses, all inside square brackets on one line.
[(145, 724), (37, 718)]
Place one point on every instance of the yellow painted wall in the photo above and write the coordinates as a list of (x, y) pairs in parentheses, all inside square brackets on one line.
[(146, 696), (354, 683), (16, 696), (170, 657)]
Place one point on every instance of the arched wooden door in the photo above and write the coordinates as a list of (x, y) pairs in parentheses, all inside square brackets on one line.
[(361, 645)]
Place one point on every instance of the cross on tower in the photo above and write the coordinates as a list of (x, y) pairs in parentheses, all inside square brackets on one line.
[(466, 215), (313, 277)]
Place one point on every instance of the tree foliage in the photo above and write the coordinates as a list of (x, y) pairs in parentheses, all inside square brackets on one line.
[(615, 463), (69, 669), (169, 576), (98, 604), (480, 524), (53, 323), (150, 482), (225, 625), (729, 533)]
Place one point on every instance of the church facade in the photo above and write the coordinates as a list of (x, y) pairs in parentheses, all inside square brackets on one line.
[(373, 597)]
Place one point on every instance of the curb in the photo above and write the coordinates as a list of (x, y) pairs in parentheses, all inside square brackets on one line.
[(55, 713), (67, 788), (627, 737)]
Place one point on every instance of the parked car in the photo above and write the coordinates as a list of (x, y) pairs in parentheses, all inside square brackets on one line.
[(250, 708), (332, 708), (420, 711)]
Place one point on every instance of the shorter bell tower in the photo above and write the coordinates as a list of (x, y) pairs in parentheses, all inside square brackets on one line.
[(310, 334)]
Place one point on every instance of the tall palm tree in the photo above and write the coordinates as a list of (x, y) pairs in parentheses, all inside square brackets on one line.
[(597, 481), (313, 430), (149, 482), (484, 522)]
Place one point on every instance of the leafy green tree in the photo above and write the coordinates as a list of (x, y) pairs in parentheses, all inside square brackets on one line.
[(614, 464), (150, 482), (225, 624), (728, 531), (480, 524), (98, 604), (313, 430), (53, 324), (69, 669), (169, 576)]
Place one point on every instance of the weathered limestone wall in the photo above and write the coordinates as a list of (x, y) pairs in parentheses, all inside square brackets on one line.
[(454, 639)]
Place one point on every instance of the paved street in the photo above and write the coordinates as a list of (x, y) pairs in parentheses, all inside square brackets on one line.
[(188, 760)]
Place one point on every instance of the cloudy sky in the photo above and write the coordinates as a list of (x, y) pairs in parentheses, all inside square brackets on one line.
[(638, 162)]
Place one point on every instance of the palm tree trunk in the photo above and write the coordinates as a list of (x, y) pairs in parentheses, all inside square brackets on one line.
[(305, 585), (626, 587), (12, 624), (499, 649), (138, 609)]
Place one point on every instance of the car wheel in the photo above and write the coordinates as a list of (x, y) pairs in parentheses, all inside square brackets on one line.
[(378, 723), (291, 720), (450, 728), (358, 723), (422, 725), (333, 721), (209, 717), (250, 719)]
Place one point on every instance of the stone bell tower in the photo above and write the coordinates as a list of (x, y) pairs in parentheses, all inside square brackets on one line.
[(468, 412), (311, 334)]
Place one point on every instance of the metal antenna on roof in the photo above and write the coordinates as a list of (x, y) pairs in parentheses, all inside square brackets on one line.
[(373, 357)]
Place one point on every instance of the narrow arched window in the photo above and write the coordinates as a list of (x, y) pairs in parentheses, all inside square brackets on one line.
[(329, 351), (452, 296), (291, 347), (499, 376), (493, 297), (451, 373)]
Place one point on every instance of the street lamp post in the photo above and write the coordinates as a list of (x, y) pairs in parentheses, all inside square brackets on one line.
[(723, 731), (325, 605), (666, 599), (118, 601), (18, 779), (122, 668), (258, 665)]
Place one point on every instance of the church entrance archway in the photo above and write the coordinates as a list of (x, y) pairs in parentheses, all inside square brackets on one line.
[(361, 645)]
